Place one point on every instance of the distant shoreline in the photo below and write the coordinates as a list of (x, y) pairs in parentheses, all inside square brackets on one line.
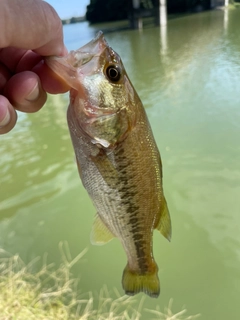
[(74, 20)]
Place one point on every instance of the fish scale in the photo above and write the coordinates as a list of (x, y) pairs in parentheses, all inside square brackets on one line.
[(118, 159)]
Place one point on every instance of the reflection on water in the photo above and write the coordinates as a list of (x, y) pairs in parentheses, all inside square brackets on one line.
[(163, 40), (187, 75), (226, 19)]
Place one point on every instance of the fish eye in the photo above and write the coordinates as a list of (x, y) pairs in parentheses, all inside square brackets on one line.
[(113, 73)]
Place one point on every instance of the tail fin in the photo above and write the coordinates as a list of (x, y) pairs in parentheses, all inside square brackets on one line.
[(134, 283)]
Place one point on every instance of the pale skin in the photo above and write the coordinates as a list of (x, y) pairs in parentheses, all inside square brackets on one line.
[(30, 31)]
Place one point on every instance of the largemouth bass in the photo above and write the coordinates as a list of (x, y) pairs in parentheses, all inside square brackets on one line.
[(118, 159)]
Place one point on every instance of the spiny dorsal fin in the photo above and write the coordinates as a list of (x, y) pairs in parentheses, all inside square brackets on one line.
[(164, 223), (100, 233)]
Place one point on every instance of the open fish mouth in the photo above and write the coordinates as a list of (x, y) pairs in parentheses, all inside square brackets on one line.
[(70, 66), (92, 49)]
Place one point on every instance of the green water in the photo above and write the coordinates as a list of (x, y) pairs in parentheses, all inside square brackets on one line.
[(188, 78)]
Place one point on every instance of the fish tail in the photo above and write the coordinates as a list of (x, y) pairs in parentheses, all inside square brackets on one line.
[(134, 282)]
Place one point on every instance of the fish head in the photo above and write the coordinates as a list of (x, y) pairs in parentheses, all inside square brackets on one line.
[(102, 98)]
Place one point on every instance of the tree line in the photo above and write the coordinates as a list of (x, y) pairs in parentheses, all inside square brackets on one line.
[(111, 10)]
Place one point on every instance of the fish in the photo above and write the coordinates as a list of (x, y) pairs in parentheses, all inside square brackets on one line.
[(117, 157)]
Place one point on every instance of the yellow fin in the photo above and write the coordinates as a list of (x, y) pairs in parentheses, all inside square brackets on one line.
[(164, 223), (134, 283), (100, 233)]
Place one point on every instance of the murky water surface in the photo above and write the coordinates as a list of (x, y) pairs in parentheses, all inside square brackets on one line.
[(188, 77)]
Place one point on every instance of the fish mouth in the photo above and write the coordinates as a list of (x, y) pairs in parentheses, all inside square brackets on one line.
[(69, 68)]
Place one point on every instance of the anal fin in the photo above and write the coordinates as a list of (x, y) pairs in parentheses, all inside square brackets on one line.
[(100, 233)]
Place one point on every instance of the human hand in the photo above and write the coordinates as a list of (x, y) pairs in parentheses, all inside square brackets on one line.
[(30, 30)]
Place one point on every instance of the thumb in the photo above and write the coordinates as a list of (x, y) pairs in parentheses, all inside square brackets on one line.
[(31, 24)]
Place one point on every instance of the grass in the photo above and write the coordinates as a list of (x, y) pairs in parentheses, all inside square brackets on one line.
[(168, 315), (52, 294)]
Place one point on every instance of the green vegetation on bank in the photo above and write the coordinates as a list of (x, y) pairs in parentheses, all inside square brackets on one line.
[(52, 294)]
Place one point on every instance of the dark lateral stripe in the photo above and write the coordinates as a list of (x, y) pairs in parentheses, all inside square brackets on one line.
[(127, 193), (133, 222), (139, 245)]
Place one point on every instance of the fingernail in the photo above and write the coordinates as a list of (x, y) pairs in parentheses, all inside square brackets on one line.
[(33, 95), (5, 120)]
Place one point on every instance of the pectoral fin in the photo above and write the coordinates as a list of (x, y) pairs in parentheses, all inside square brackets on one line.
[(100, 233), (164, 223)]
